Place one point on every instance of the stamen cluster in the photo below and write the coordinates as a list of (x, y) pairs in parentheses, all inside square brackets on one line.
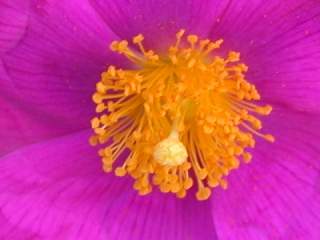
[(201, 97)]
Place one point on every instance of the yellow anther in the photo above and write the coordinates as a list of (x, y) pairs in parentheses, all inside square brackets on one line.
[(179, 36), (266, 110), (112, 71), (203, 193), (180, 33), (97, 98), (192, 39), (247, 157), (120, 172), (107, 168), (101, 88), (138, 39), (123, 46), (269, 137), (223, 184), (95, 122), (212, 107), (188, 183), (114, 46), (234, 56), (204, 43), (182, 193), (93, 140), (213, 45), (100, 108)]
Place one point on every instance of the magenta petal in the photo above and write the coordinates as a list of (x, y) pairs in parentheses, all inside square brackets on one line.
[(158, 20), (280, 43), (50, 66), (57, 190), (277, 196), (20, 123), (12, 28)]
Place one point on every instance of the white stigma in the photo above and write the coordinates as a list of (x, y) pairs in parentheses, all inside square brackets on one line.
[(170, 151)]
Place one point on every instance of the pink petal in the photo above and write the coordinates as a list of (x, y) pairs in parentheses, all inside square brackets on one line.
[(21, 123), (277, 196), (57, 190), (158, 20), (280, 42), (12, 29), (54, 52)]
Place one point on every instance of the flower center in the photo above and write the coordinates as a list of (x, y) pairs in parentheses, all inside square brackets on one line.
[(179, 119)]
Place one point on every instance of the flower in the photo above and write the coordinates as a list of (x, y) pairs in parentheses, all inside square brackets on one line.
[(52, 55)]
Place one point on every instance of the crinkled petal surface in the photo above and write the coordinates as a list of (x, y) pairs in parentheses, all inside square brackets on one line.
[(57, 190), (279, 41), (14, 19), (277, 195), (52, 53)]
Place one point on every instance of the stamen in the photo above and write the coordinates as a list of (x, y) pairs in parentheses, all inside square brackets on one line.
[(178, 120)]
